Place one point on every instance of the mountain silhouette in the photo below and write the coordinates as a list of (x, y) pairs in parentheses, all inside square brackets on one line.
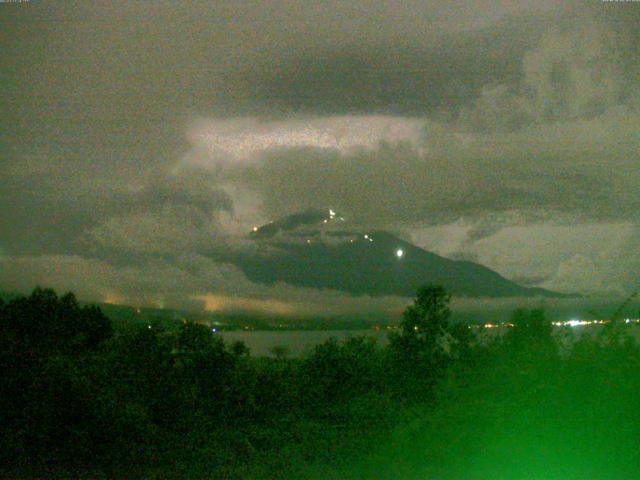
[(315, 249)]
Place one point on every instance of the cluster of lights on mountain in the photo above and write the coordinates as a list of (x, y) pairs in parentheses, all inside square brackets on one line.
[(326, 232)]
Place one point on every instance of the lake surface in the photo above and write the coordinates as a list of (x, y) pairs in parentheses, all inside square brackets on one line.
[(300, 342)]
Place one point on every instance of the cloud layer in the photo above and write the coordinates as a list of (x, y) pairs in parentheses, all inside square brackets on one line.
[(140, 140)]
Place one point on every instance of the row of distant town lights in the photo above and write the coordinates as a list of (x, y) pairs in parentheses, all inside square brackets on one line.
[(579, 323), (568, 323)]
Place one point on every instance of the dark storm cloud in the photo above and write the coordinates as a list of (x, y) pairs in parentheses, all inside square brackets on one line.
[(396, 184), (528, 107), (98, 94), (134, 66), (106, 70), (552, 132), (580, 68), (191, 188), (426, 78), (48, 213)]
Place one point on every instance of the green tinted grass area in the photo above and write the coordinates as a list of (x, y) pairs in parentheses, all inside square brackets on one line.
[(79, 399), (576, 418)]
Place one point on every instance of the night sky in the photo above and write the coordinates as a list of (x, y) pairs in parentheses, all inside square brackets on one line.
[(143, 140)]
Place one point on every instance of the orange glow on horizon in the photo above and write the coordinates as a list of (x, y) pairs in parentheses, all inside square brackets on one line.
[(113, 298), (216, 303)]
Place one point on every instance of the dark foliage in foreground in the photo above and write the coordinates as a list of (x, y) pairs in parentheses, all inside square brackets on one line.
[(79, 399)]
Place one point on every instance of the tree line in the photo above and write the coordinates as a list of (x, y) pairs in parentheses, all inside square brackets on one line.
[(80, 397)]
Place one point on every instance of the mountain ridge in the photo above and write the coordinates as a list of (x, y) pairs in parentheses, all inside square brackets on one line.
[(315, 249)]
